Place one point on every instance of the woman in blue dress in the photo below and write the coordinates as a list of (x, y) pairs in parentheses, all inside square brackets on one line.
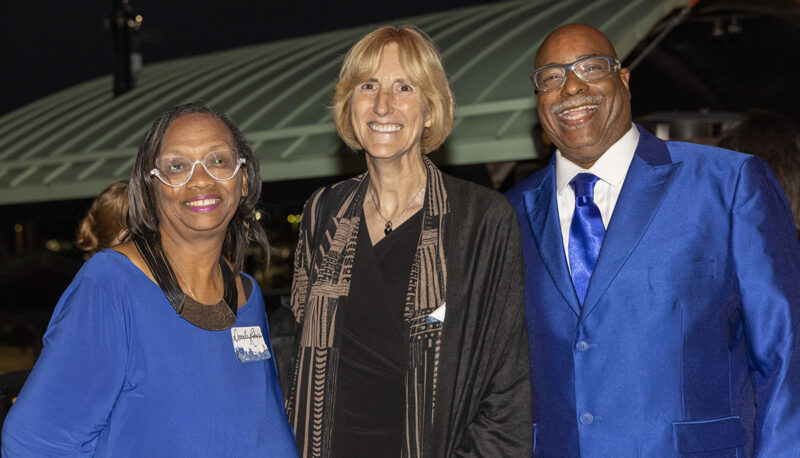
[(159, 347)]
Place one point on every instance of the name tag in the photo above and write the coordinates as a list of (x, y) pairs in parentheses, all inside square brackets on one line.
[(437, 315), (248, 343)]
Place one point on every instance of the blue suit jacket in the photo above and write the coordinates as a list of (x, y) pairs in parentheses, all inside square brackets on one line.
[(687, 342)]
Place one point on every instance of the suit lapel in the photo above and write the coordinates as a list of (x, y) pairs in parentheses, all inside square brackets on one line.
[(542, 212), (646, 184)]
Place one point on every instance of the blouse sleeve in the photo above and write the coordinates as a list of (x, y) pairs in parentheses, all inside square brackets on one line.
[(303, 255), (71, 391)]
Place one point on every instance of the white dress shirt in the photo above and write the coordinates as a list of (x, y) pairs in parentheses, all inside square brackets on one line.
[(610, 168)]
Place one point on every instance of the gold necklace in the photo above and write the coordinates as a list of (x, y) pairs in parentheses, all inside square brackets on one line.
[(388, 228), (183, 279), (214, 317)]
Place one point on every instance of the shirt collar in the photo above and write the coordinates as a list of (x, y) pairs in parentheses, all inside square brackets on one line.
[(611, 167)]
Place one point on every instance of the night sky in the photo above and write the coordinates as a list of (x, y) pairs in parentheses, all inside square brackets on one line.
[(49, 46)]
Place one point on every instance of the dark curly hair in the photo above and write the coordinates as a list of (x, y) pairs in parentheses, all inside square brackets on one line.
[(143, 215)]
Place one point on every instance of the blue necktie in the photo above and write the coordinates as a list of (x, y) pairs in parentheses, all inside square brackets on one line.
[(585, 233)]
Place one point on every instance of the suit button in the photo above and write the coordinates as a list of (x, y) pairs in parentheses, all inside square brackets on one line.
[(587, 418), (582, 346)]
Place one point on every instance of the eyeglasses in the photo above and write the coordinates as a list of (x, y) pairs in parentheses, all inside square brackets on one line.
[(176, 171), (590, 68)]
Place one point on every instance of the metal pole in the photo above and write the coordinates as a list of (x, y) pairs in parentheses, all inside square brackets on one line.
[(119, 23)]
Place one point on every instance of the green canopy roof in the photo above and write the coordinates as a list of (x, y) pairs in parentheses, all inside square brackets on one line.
[(74, 143)]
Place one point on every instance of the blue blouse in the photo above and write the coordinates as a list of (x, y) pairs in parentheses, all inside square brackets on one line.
[(121, 374)]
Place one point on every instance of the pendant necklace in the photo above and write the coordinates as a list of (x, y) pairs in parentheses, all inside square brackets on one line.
[(388, 228), (216, 317), (191, 293)]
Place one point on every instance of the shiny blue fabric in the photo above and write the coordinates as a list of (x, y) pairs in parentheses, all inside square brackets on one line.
[(586, 233), (122, 375), (687, 341)]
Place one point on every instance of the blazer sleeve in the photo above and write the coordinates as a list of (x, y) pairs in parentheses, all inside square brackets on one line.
[(502, 425), (766, 257), (71, 391)]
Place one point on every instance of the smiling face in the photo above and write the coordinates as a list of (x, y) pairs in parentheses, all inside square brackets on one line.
[(203, 204), (387, 110), (583, 119)]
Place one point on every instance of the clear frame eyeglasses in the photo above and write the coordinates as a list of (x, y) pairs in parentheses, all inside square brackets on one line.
[(590, 68), (176, 171)]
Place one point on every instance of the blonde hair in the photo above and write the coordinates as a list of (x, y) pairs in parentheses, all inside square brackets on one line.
[(422, 63), (106, 218)]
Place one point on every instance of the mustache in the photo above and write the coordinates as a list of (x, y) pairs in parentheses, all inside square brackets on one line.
[(566, 105)]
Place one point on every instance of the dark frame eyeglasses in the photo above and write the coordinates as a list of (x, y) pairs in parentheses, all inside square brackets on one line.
[(589, 68)]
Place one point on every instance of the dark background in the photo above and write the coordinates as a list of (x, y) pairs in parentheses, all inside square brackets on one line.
[(47, 46), (728, 55)]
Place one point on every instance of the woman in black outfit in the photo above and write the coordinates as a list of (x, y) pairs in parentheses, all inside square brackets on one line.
[(408, 283)]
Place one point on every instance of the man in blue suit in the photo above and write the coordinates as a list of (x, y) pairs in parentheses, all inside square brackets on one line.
[(663, 280)]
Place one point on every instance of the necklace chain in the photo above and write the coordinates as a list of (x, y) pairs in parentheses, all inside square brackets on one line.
[(389, 228), (186, 283), (183, 279)]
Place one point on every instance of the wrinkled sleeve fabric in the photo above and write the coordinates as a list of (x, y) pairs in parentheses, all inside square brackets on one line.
[(72, 389), (302, 256), (767, 262), (502, 425)]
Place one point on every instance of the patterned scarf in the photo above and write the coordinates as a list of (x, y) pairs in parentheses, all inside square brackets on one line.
[(328, 268)]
